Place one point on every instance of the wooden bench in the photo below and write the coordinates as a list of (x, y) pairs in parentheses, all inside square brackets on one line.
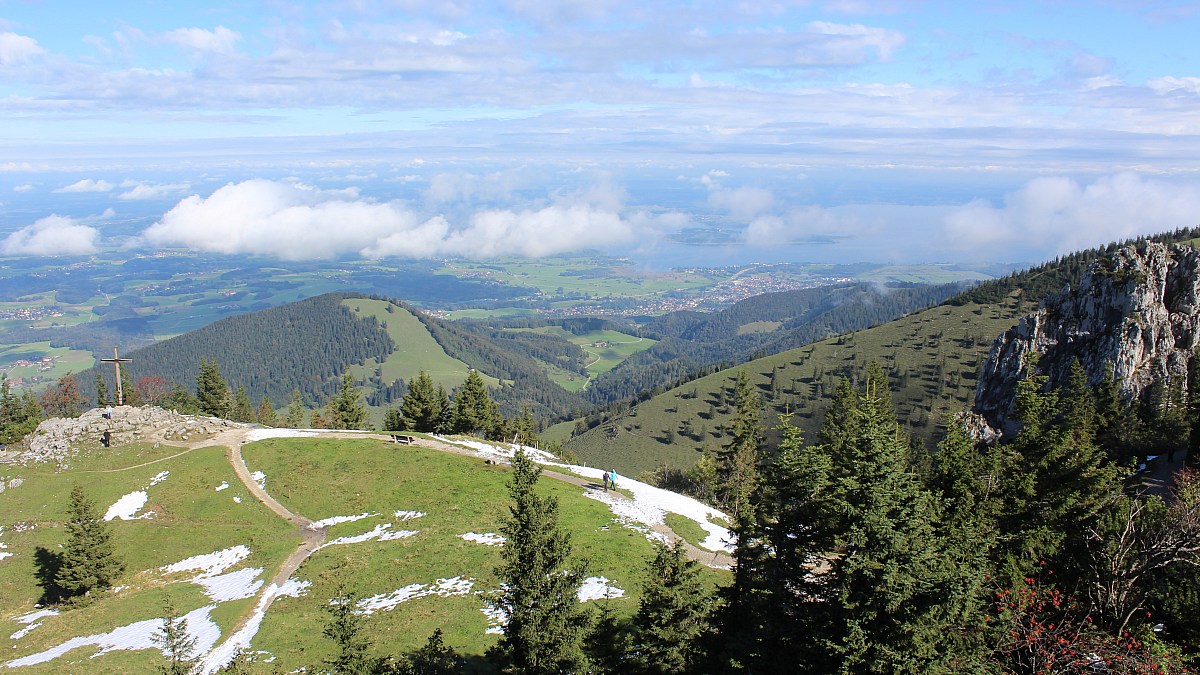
[(403, 438)]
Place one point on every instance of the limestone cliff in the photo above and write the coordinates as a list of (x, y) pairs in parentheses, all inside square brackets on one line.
[(1134, 316)]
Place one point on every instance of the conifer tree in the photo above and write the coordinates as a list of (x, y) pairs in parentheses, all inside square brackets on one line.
[(738, 462), (346, 410), (446, 418), (177, 645), (420, 408), (393, 420), (89, 557), (101, 391), (539, 582), (266, 414), (672, 616), (243, 410), (212, 392), (526, 428), (347, 630), (607, 643), (474, 410), (435, 657), (295, 412), (129, 393)]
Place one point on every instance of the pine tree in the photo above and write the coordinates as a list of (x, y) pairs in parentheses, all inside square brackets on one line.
[(539, 582), (526, 428), (474, 410), (89, 559), (295, 412), (346, 410), (266, 414), (130, 395), (393, 420), (420, 408), (737, 463), (607, 643), (212, 392), (101, 391), (672, 616), (888, 573), (434, 658), (347, 630), (176, 644), (243, 410), (446, 419)]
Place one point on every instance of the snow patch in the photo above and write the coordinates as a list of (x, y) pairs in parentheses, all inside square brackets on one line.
[(158, 478), (443, 588), (382, 532), (648, 505), (243, 583), (497, 619), (127, 507), (198, 623), (237, 500), (598, 588), (223, 486), (408, 515), (24, 631), (335, 520), (488, 538), (263, 434), (34, 616), (210, 564), (260, 478), (219, 657)]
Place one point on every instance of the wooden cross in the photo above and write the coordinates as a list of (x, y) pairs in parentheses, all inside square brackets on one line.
[(117, 361)]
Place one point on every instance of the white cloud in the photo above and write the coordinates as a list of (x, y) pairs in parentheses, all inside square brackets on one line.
[(1169, 84), (292, 220), (87, 185), (52, 236), (796, 225), (152, 190), (16, 49), (856, 39), (1060, 215), (24, 187), (742, 203), (221, 40)]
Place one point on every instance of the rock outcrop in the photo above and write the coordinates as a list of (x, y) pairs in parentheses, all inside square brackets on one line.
[(60, 438), (1134, 317)]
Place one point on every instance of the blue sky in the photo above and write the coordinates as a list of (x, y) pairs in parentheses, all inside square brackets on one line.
[(905, 131)]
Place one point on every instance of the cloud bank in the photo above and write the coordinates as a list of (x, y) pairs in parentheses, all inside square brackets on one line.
[(52, 236), (295, 221), (1059, 214), (87, 185)]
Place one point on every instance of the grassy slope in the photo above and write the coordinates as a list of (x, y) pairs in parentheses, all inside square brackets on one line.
[(600, 359), (191, 518), (317, 478), (959, 337), (416, 349)]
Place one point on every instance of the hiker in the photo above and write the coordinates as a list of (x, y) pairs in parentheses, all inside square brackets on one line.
[(605, 477), (1171, 454), (612, 478)]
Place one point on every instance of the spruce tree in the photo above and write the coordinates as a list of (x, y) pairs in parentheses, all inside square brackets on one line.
[(101, 391), (243, 410), (346, 629), (539, 582), (737, 463), (346, 410), (393, 420), (266, 414), (212, 392), (295, 412), (474, 410), (672, 617), (130, 394), (434, 658), (89, 557), (420, 408), (446, 419), (888, 574), (176, 644)]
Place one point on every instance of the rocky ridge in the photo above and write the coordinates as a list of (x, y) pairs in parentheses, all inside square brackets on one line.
[(1135, 316), (59, 438)]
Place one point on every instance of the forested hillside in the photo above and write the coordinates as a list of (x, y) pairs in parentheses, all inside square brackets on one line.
[(932, 360), (303, 345), (692, 341)]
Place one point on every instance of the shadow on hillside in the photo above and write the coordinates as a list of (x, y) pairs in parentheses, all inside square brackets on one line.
[(46, 565)]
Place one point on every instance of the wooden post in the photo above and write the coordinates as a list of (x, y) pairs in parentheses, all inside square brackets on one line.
[(117, 361)]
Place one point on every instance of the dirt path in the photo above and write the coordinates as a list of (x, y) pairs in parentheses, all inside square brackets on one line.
[(1159, 477)]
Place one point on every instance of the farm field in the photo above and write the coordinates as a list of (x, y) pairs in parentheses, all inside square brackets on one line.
[(606, 349)]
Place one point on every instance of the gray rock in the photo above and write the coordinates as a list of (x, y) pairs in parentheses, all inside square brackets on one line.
[(1134, 317)]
